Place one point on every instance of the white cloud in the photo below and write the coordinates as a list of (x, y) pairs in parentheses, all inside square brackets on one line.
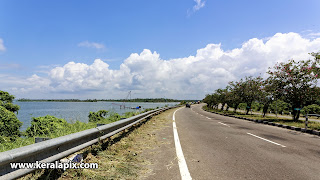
[(198, 5), (91, 45), (2, 47), (314, 35), (147, 75)]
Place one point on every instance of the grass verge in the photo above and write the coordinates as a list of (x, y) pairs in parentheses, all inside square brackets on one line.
[(285, 121)]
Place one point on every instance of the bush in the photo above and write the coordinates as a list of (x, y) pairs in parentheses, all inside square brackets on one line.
[(45, 126), (97, 116), (114, 117), (242, 106), (311, 109), (256, 106), (9, 123)]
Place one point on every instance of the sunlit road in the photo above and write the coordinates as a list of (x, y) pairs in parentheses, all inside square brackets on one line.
[(219, 147)]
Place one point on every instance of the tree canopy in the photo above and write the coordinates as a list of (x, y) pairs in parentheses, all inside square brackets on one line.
[(292, 82)]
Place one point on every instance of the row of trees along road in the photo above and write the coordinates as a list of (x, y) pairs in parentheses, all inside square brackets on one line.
[(293, 82)]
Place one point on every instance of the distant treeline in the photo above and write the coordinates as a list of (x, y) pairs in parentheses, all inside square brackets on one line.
[(57, 100), (110, 100)]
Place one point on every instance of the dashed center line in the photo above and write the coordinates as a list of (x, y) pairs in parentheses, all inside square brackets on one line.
[(224, 124), (208, 118), (266, 140)]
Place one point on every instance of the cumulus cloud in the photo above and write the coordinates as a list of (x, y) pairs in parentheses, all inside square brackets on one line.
[(91, 45), (147, 75), (199, 4), (2, 47)]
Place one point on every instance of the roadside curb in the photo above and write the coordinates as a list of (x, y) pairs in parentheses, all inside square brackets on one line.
[(309, 131)]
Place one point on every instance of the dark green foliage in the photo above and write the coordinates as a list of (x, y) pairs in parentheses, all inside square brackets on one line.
[(257, 106), (114, 117), (45, 126), (97, 116), (6, 97), (9, 124), (279, 106), (311, 109), (243, 106), (9, 106), (6, 101)]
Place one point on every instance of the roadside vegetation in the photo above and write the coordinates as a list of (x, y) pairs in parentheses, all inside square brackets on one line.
[(285, 121), (47, 126), (126, 155), (291, 88)]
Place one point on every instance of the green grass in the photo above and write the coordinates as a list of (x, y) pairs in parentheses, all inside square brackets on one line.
[(285, 121)]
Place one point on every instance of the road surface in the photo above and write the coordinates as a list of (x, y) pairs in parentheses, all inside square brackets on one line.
[(219, 147)]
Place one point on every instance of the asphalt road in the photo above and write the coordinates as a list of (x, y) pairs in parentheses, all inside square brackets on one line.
[(219, 147)]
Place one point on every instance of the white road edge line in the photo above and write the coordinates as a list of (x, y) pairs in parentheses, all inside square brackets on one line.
[(184, 172), (266, 140), (224, 124)]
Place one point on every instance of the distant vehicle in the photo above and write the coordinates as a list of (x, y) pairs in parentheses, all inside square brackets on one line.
[(187, 105)]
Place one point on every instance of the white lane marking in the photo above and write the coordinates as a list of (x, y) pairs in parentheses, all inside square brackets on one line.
[(184, 172), (208, 118), (224, 124), (266, 140)]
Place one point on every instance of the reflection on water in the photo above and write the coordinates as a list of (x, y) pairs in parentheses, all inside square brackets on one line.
[(73, 111)]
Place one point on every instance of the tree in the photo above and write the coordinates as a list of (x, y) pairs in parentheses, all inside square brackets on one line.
[(249, 90), (296, 82), (9, 123), (212, 100), (6, 101), (233, 96), (222, 97)]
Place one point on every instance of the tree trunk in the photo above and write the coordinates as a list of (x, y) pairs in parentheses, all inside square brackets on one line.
[(265, 109), (222, 106), (247, 111), (248, 107), (236, 107), (296, 115)]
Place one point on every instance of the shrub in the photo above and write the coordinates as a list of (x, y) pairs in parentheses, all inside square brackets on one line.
[(9, 123), (242, 106), (45, 126), (311, 109), (114, 117), (97, 116)]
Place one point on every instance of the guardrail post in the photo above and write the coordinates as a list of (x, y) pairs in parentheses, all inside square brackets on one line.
[(306, 122)]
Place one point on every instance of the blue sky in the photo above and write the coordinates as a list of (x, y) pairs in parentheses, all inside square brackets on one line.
[(38, 36)]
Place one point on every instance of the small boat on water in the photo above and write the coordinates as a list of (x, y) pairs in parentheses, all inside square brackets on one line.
[(138, 107)]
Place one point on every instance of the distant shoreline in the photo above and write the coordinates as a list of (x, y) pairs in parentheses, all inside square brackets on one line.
[(107, 100)]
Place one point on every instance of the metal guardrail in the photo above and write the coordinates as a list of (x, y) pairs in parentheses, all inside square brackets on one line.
[(58, 148), (306, 121)]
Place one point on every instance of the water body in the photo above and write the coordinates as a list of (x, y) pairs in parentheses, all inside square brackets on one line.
[(75, 111)]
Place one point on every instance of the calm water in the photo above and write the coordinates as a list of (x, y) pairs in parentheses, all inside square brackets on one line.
[(73, 111)]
